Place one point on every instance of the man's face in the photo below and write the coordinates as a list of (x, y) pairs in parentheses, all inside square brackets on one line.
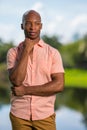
[(32, 26)]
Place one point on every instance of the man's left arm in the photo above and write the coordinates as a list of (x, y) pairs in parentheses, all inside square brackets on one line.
[(47, 89)]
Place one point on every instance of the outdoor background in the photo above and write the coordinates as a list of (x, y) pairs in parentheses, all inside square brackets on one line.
[(65, 28)]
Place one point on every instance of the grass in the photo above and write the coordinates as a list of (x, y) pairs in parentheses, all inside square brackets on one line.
[(76, 78)]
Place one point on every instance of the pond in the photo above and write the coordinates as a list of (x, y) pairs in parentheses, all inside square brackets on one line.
[(66, 119)]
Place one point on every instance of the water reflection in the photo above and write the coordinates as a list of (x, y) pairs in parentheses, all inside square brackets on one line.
[(66, 119), (69, 119), (4, 118), (75, 98)]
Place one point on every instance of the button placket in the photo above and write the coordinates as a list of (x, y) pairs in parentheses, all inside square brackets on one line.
[(33, 64), (33, 82)]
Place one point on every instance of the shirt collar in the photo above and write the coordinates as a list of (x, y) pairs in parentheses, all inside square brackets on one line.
[(40, 43)]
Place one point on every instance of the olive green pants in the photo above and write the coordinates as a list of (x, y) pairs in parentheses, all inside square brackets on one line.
[(44, 124)]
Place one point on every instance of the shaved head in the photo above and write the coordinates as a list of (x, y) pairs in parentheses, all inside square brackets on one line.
[(30, 12)]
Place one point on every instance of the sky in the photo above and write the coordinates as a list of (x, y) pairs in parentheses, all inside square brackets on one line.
[(63, 18)]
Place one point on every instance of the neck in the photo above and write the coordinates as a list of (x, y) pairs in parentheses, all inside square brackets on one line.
[(36, 40)]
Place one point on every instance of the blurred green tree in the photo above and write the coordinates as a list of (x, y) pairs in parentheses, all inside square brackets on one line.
[(81, 56), (3, 50), (53, 41)]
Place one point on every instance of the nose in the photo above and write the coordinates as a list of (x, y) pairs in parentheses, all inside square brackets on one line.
[(32, 27)]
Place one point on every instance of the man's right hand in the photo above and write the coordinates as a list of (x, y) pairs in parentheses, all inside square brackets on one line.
[(29, 44)]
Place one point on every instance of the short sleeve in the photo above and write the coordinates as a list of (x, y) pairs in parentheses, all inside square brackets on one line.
[(57, 64), (11, 58)]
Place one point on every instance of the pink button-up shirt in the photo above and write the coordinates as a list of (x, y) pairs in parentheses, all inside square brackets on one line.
[(46, 60)]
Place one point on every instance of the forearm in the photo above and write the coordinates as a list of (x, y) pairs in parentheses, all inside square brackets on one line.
[(47, 89), (18, 73)]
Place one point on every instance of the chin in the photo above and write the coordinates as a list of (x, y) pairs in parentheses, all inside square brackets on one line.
[(33, 38)]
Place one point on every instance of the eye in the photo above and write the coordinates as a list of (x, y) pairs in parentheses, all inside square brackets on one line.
[(28, 24), (37, 23)]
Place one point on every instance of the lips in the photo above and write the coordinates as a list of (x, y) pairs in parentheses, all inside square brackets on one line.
[(32, 33)]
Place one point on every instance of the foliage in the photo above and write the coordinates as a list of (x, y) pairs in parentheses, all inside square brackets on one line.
[(81, 57), (3, 50), (4, 84), (75, 54), (68, 51), (53, 41)]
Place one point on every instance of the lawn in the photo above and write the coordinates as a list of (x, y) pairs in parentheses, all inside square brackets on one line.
[(76, 78)]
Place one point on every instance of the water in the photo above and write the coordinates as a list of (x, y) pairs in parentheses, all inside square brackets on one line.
[(4, 118), (69, 119), (66, 119)]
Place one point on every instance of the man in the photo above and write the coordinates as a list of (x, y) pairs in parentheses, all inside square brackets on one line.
[(36, 73)]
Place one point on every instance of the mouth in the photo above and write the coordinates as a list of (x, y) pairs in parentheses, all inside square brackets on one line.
[(32, 33)]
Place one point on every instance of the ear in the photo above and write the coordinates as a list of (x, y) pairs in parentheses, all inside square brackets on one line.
[(22, 27)]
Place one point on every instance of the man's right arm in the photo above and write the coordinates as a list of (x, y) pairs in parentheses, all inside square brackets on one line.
[(18, 72)]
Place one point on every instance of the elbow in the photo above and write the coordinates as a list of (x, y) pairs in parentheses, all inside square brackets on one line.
[(14, 78), (60, 87), (14, 81)]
